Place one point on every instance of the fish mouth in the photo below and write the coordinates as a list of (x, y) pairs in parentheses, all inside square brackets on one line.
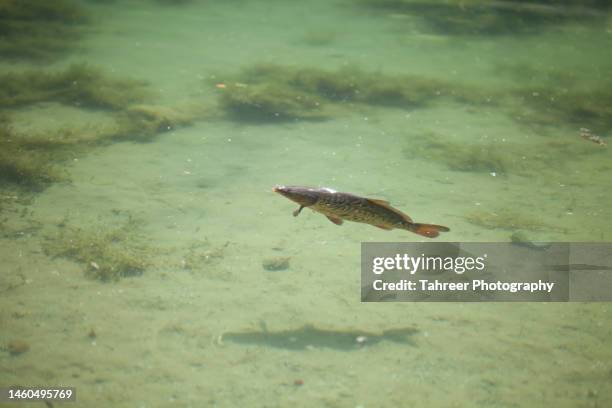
[(301, 195)]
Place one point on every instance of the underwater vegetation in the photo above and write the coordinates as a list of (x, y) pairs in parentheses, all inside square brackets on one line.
[(547, 97), (23, 164), (502, 158), (544, 99), (108, 253), (31, 170), (202, 254), (577, 107), (38, 29), (273, 92), (460, 156), (509, 220), (142, 122), (269, 102), (79, 85), (482, 17), (30, 159)]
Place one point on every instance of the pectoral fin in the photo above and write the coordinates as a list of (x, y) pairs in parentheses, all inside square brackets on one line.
[(297, 212), (335, 220), (385, 227)]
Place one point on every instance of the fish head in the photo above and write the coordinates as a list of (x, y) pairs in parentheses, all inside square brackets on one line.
[(302, 195)]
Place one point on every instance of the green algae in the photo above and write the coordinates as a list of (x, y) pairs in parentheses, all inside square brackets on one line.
[(88, 87), (202, 254), (268, 102), (27, 166), (546, 98), (107, 252), (268, 92), (141, 122), (31, 159), (355, 85), (501, 157), (479, 158), (33, 171), (33, 162), (577, 107), (481, 17), (507, 219), (79, 85), (39, 30), (486, 157)]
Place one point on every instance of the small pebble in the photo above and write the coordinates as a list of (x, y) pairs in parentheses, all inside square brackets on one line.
[(16, 347), (361, 340), (279, 263)]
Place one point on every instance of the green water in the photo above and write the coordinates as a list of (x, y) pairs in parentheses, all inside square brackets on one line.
[(137, 275)]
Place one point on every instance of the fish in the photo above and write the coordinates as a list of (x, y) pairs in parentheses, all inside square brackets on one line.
[(338, 207)]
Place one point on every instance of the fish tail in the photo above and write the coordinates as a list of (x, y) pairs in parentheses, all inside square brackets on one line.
[(427, 230)]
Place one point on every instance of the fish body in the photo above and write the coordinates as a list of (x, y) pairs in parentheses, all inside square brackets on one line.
[(338, 206)]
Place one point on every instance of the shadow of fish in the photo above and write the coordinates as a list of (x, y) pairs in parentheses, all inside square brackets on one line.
[(338, 206), (309, 336)]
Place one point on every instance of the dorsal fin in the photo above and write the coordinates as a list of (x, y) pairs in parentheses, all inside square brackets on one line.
[(386, 204)]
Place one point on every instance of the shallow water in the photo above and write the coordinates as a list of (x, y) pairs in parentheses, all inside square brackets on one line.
[(204, 323)]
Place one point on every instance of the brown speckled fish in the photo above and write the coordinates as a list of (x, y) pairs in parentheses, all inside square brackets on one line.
[(343, 206)]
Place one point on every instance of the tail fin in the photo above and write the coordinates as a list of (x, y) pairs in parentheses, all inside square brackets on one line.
[(427, 230)]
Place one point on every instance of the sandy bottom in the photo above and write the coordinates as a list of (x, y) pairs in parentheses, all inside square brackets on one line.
[(201, 197)]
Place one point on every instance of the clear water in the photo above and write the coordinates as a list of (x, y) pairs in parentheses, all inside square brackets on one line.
[(205, 324)]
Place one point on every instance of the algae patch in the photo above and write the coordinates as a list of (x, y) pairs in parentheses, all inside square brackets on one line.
[(500, 157), (108, 253), (144, 121), (39, 30), (544, 97), (108, 108), (482, 17), (549, 106), (25, 164), (266, 102), (79, 85), (509, 220), (266, 92)]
